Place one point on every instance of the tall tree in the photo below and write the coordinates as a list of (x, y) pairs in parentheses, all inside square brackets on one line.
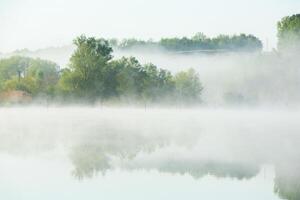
[(88, 64), (289, 33)]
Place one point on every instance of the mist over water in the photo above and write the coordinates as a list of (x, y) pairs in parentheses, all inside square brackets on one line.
[(167, 112), (242, 140), (229, 79), (100, 145), (234, 79)]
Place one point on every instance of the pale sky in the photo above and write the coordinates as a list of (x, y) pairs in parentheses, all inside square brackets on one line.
[(37, 24)]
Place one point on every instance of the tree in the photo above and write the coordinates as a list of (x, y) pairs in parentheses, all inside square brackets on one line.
[(199, 37), (289, 33), (93, 75), (45, 74), (188, 86), (88, 64), (34, 76), (130, 77), (27, 84), (158, 83)]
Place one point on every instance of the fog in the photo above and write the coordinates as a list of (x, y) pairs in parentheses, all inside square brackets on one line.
[(255, 79), (181, 135), (97, 141), (229, 79), (247, 123)]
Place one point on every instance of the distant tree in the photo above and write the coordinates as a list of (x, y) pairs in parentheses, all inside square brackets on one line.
[(129, 43), (113, 42), (242, 42), (199, 37), (34, 76), (289, 33), (12, 67), (27, 84), (188, 86), (45, 74)]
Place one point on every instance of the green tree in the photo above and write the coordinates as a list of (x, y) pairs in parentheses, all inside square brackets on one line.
[(88, 64), (34, 76), (199, 37), (158, 83), (289, 33), (188, 86), (27, 84), (130, 77)]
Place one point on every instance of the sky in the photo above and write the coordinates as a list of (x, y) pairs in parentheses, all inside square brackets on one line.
[(35, 24)]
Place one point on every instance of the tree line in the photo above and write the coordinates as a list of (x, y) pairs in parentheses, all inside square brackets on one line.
[(94, 76), (198, 42), (288, 34)]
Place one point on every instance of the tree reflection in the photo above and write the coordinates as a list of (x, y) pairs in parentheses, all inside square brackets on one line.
[(216, 168), (94, 155), (287, 181), (88, 161)]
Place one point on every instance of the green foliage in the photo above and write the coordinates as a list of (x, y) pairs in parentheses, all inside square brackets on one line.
[(129, 78), (158, 83), (88, 64), (286, 182), (93, 76), (289, 33), (188, 86), (198, 42), (34, 76), (133, 43), (143, 83), (27, 84)]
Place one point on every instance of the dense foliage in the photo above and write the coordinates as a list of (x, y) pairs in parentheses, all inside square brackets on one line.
[(33, 76), (289, 33), (94, 76), (199, 42)]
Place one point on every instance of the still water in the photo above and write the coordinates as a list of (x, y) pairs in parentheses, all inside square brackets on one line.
[(93, 153)]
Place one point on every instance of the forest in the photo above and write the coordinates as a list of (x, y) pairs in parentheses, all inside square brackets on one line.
[(198, 42), (94, 76)]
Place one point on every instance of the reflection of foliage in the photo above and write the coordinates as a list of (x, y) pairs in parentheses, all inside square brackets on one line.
[(287, 183), (88, 161), (94, 155), (198, 169), (94, 152)]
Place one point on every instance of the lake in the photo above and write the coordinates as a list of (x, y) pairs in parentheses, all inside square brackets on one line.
[(149, 153)]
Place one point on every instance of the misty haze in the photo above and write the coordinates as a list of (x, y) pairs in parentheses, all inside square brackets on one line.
[(107, 100)]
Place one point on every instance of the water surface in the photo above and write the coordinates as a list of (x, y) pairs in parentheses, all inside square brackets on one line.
[(118, 153)]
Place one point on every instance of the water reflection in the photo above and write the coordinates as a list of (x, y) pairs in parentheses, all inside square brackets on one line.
[(200, 143), (287, 181), (88, 160)]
